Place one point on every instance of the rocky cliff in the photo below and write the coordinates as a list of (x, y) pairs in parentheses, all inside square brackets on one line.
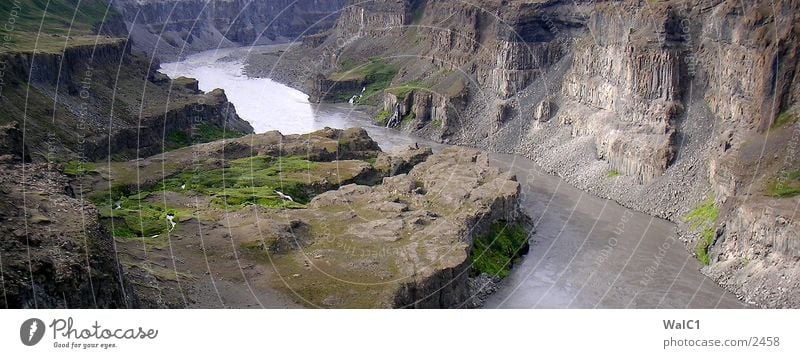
[(94, 101), (54, 253), (173, 28), (656, 104)]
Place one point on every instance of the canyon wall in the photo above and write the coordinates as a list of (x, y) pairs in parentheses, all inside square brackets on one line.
[(55, 253), (173, 28), (657, 105), (94, 101)]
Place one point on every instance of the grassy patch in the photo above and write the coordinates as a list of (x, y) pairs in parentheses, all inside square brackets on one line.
[(786, 185), (402, 91), (703, 220), (408, 118), (247, 181), (419, 13), (203, 133), (613, 173), (495, 253), (348, 64), (243, 182), (436, 123), (77, 168), (56, 21), (377, 74), (382, 117)]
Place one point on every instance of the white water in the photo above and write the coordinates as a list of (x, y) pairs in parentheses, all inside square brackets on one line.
[(266, 104)]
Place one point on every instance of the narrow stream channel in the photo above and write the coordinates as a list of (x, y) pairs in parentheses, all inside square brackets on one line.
[(587, 252)]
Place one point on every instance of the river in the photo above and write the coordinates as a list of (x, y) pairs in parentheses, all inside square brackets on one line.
[(587, 252)]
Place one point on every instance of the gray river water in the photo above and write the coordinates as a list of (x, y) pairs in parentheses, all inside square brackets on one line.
[(587, 252)]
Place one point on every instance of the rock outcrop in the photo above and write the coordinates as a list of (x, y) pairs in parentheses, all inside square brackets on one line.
[(404, 243), (90, 102), (396, 233), (401, 161), (200, 199)]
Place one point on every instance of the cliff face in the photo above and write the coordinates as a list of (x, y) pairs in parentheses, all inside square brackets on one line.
[(55, 254), (656, 105), (172, 28), (92, 102), (623, 89)]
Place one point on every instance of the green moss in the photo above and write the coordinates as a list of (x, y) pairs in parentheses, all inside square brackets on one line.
[(419, 13), (208, 133), (436, 123), (408, 118), (135, 217), (786, 185), (495, 253), (77, 168), (613, 173), (347, 64), (176, 140), (247, 181), (703, 220), (382, 117), (783, 119), (202, 133)]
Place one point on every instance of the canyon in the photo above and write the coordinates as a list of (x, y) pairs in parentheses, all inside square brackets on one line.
[(666, 107), (175, 28), (684, 110)]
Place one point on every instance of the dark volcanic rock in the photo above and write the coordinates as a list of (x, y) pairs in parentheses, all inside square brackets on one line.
[(55, 254)]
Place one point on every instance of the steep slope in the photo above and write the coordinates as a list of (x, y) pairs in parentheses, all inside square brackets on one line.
[(54, 253), (69, 94), (173, 28), (658, 105)]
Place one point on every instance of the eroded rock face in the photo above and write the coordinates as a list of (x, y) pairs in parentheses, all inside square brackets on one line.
[(107, 101), (403, 243), (172, 28), (55, 253), (623, 89), (756, 252), (12, 148)]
